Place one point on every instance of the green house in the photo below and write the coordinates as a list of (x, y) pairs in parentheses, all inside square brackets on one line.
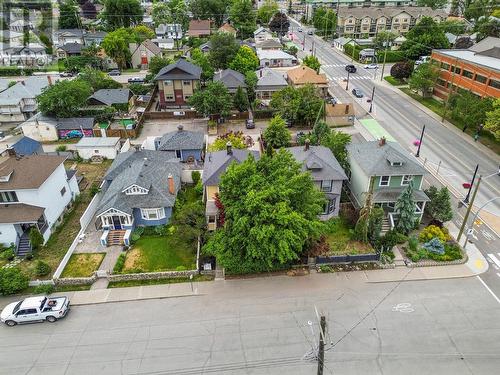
[(392, 169)]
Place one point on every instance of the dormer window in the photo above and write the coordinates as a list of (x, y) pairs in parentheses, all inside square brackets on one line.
[(135, 190)]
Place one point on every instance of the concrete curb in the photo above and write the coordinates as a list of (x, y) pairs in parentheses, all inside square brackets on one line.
[(132, 299)]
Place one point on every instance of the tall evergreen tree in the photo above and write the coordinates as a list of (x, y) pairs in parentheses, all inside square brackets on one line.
[(405, 207)]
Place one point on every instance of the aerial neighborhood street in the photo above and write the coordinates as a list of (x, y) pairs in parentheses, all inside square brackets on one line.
[(250, 187)]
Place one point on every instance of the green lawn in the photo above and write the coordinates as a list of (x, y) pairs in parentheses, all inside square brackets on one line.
[(130, 283), (83, 265), (394, 81), (160, 253), (340, 239), (486, 138)]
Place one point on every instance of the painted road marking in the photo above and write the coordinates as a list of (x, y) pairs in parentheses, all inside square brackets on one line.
[(489, 290), (403, 307), (487, 235), (494, 259), (479, 263)]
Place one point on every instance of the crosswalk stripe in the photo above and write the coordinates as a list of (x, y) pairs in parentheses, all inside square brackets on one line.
[(494, 259)]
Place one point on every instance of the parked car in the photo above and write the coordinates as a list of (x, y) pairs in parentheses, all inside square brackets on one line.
[(371, 66), (332, 100), (350, 68), (299, 29), (249, 124), (114, 72), (136, 80), (357, 93), (35, 309), (310, 32), (422, 59)]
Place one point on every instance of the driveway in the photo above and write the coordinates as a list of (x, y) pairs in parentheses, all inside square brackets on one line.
[(156, 128)]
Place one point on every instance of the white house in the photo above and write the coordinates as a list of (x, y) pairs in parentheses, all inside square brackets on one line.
[(100, 147), (262, 34), (169, 31), (35, 191), (275, 59), (45, 128)]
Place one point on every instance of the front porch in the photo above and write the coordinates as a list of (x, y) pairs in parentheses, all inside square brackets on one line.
[(116, 227), (32, 217)]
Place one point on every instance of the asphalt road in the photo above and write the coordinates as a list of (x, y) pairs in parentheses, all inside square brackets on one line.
[(404, 121), (260, 326)]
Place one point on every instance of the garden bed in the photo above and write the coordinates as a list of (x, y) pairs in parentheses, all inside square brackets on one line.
[(83, 264), (340, 239)]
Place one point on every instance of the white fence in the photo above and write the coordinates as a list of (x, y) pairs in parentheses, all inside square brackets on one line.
[(186, 175), (84, 223)]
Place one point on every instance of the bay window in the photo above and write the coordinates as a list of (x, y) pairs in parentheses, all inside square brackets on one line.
[(153, 213)]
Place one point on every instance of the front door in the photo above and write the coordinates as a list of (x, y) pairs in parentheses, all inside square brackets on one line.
[(116, 222)]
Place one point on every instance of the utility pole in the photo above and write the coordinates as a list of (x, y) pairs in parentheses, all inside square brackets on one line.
[(466, 200), (385, 57), (371, 100), (420, 142), (468, 210), (347, 85), (321, 347)]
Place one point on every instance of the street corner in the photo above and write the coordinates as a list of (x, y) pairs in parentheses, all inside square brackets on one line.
[(476, 262)]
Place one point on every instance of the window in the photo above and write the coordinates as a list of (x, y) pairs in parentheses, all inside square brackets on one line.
[(169, 97), (406, 180), (445, 66), (8, 196), (457, 69), (442, 82), (467, 74), (329, 206), (480, 78), (30, 311), (167, 82), (419, 207), (152, 213), (495, 84), (326, 185), (63, 191), (136, 190), (211, 219), (396, 164), (96, 151), (384, 180), (178, 154), (186, 83)]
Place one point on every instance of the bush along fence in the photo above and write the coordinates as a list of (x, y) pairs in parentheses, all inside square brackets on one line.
[(339, 259)]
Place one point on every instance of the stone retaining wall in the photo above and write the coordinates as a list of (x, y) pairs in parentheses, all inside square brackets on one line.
[(151, 275), (76, 280), (432, 263)]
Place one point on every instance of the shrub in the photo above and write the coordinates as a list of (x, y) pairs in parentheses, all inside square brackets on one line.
[(94, 189), (161, 230), (42, 268), (433, 231), (61, 148), (402, 70), (199, 188), (195, 176), (326, 269), (434, 246), (43, 289), (36, 238), (413, 243), (12, 280), (237, 140), (137, 233), (8, 255), (120, 262)]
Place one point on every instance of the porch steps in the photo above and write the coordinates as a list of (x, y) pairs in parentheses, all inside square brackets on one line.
[(115, 237), (386, 226), (24, 247)]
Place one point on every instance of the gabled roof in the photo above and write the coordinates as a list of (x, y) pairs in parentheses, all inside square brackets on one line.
[(230, 78), (375, 160), (72, 48), (31, 88), (485, 44), (75, 123), (27, 146), (148, 44), (217, 162), (199, 27), (181, 140), (28, 172), (181, 69), (260, 30), (273, 54), (269, 44), (227, 28), (147, 169), (318, 160), (303, 74), (111, 96), (270, 78)]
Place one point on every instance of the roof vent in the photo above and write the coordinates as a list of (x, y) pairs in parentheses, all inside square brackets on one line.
[(180, 127)]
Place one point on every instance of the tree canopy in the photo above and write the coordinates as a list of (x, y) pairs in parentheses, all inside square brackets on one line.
[(68, 15), (324, 21), (276, 134), (439, 207), (469, 108), (405, 207), (98, 80), (122, 13), (214, 99), (245, 60), (203, 61), (243, 18), (64, 98), (300, 105), (270, 209), (223, 50), (116, 46), (279, 24), (266, 11), (157, 63), (423, 38), (492, 122), (215, 10), (424, 78), (312, 62)]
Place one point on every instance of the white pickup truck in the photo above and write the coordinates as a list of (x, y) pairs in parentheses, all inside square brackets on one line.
[(34, 309)]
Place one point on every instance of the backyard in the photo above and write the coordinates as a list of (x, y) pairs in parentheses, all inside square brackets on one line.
[(340, 239), (60, 240), (83, 265)]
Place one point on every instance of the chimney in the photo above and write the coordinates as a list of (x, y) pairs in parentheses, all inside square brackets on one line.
[(229, 148), (180, 127), (347, 109), (49, 78), (171, 185), (381, 142), (11, 151), (306, 144)]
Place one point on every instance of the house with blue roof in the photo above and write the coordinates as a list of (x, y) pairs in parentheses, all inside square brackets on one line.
[(27, 146)]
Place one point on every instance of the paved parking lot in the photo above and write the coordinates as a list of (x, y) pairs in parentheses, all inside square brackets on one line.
[(260, 326)]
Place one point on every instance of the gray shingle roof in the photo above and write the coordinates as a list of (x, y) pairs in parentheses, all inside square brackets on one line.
[(375, 160), (31, 88), (181, 69), (217, 162), (111, 96), (318, 160), (268, 78), (181, 140), (230, 78), (75, 123), (147, 169), (72, 48)]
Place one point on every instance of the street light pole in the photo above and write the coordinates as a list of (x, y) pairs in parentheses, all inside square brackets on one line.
[(474, 220), (371, 100), (385, 56), (420, 142), (347, 85), (466, 200), (467, 213)]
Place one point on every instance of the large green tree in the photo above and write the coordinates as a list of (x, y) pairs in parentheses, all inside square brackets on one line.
[(215, 99), (423, 38), (300, 105), (215, 10), (439, 207), (157, 63), (243, 18), (276, 134), (271, 211), (312, 62), (240, 99), (279, 24), (424, 78), (68, 15), (434, 4), (160, 12), (245, 60), (469, 108), (324, 21), (64, 98), (122, 13), (116, 46), (266, 11), (223, 50), (98, 80), (492, 122), (337, 141), (203, 61), (405, 207)]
